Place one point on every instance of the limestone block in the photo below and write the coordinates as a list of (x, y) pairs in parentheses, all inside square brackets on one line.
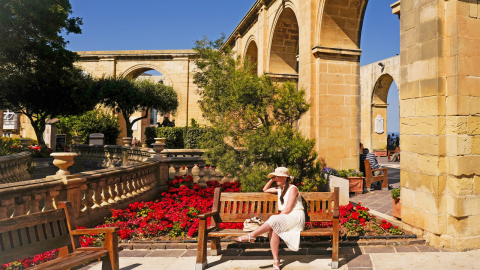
[(460, 185), (432, 145), (459, 145), (468, 243), (462, 206), (430, 106), (476, 185), (434, 204), (435, 223), (410, 180), (456, 125), (409, 161), (463, 165), (407, 108), (473, 125), (439, 241), (433, 184), (431, 164), (413, 216), (409, 197)]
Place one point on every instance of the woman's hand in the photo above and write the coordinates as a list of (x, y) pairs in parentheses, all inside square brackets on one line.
[(267, 188)]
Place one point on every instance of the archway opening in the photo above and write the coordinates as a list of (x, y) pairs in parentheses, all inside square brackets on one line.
[(285, 45), (252, 55), (385, 114)]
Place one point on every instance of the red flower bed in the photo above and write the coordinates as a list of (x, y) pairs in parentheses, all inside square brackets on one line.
[(31, 261)]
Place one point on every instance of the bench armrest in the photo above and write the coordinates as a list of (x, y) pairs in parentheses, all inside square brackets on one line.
[(336, 213), (382, 169), (209, 214), (94, 231)]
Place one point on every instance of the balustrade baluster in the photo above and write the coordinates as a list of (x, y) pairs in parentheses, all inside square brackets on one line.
[(105, 193), (19, 206), (88, 200), (119, 191), (177, 169), (213, 175), (128, 186), (142, 181), (97, 197), (50, 200), (189, 169), (112, 190), (134, 185), (34, 204)]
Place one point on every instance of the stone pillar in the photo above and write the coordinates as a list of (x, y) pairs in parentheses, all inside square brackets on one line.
[(262, 39), (335, 122), (440, 165)]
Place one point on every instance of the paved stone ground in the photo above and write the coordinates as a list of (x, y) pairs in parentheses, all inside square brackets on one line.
[(355, 258), (381, 200)]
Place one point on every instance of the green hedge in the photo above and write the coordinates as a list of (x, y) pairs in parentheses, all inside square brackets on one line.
[(176, 137)]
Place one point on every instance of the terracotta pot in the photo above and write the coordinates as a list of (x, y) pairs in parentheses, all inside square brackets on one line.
[(380, 153), (397, 208), (355, 184)]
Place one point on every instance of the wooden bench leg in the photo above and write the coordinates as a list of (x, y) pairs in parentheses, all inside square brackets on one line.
[(335, 238), (202, 246), (385, 182), (216, 248)]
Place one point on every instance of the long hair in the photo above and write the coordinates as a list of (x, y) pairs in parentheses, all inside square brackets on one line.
[(287, 184)]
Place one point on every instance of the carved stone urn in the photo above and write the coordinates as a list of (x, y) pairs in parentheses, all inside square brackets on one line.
[(77, 139), (127, 141), (63, 161), (158, 146)]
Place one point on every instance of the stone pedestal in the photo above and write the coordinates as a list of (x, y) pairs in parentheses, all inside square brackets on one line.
[(127, 141)]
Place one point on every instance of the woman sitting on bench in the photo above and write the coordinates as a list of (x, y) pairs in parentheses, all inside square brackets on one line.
[(286, 225)]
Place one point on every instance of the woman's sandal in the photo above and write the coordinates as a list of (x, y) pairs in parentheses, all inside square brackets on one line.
[(243, 239), (274, 266)]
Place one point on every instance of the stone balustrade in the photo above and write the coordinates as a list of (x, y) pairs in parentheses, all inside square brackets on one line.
[(14, 168), (92, 193)]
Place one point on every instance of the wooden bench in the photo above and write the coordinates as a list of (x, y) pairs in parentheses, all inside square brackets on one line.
[(29, 235), (370, 178), (237, 207)]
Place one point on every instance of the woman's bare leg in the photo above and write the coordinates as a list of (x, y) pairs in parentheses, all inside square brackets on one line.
[(261, 230), (275, 245)]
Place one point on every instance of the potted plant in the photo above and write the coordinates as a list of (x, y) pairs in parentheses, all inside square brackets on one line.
[(355, 180), (380, 152), (397, 205)]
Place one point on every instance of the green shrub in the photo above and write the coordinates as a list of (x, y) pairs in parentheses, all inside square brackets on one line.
[(95, 121), (8, 147), (395, 193), (177, 137)]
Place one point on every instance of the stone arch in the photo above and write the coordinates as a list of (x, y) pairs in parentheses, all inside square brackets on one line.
[(339, 23), (380, 91), (251, 52), (284, 41), (136, 70)]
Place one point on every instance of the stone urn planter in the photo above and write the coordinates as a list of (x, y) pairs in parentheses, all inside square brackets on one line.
[(355, 184), (63, 161), (127, 141), (77, 139), (397, 208)]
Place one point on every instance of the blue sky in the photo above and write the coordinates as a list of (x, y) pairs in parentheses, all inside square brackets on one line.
[(173, 25)]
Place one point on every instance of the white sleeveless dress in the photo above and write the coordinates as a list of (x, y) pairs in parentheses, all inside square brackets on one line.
[(289, 226)]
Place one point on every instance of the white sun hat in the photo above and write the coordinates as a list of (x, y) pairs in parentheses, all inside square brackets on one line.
[(280, 171)]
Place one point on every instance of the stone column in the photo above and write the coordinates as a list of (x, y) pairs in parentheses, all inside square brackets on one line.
[(335, 122), (439, 122)]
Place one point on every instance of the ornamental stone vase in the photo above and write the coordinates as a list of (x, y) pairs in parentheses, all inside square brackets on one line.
[(63, 161), (25, 142), (159, 146), (77, 139), (127, 141)]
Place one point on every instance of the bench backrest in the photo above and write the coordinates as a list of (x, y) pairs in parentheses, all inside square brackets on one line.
[(25, 236), (237, 207)]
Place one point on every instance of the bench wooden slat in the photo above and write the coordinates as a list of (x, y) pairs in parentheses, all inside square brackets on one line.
[(24, 236), (251, 196), (228, 207), (39, 232), (56, 229), (63, 227), (19, 253), (235, 232), (240, 209), (31, 220), (16, 239), (48, 230), (71, 260)]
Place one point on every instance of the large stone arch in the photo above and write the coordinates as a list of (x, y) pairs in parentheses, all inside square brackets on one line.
[(251, 52), (138, 69), (283, 48), (376, 79), (339, 23)]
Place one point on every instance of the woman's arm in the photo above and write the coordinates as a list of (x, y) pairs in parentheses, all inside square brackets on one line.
[(267, 188), (291, 200)]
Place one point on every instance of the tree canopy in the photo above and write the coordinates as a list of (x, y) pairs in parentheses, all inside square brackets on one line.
[(254, 116), (37, 75), (127, 96)]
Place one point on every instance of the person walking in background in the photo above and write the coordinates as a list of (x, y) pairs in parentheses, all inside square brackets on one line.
[(389, 142), (397, 141)]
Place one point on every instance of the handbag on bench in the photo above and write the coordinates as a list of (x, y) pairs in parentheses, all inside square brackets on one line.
[(252, 224)]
